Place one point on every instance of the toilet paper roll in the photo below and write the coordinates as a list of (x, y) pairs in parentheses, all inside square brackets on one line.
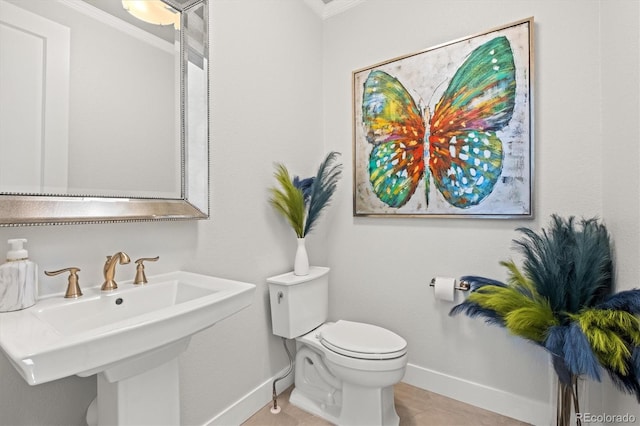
[(445, 288)]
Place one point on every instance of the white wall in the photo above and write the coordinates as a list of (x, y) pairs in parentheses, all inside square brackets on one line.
[(265, 90), (281, 89), (620, 153), (381, 267), (265, 107)]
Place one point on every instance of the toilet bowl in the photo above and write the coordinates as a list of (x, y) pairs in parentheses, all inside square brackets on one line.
[(344, 370)]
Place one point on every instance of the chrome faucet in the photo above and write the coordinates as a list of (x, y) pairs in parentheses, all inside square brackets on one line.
[(110, 270)]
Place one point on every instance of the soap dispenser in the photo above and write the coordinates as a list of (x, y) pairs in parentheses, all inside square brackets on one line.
[(18, 278)]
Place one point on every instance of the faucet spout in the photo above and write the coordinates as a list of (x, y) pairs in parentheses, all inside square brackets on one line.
[(110, 270)]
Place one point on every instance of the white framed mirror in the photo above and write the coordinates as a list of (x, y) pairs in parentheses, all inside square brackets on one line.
[(103, 114)]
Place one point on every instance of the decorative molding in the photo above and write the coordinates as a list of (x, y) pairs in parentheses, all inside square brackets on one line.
[(332, 7)]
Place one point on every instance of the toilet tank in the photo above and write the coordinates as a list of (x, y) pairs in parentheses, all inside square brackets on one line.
[(299, 303)]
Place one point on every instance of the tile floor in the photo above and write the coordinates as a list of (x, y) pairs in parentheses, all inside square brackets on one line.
[(416, 407)]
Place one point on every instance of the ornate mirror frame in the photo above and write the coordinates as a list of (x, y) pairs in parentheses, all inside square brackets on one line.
[(39, 209)]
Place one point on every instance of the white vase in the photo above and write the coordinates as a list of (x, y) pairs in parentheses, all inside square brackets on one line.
[(301, 262)]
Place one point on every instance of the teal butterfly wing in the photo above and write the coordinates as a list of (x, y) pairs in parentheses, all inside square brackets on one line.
[(395, 128), (465, 153)]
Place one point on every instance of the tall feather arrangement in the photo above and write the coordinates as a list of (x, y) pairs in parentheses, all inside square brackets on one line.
[(561, 299), (301, 201)]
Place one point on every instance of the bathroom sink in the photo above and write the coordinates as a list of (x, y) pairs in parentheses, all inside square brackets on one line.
[(88, 314), (102, 331)]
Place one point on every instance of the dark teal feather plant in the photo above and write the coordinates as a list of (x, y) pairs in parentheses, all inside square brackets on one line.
[(301, 201), (561, 299)]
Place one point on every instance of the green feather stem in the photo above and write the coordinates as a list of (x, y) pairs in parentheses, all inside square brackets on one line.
[(528, 316), (518, 279), (531, 322), (612, 335), (501, 300), (288, 200)]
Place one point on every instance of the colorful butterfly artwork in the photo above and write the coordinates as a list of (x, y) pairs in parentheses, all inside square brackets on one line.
[(458, 146)]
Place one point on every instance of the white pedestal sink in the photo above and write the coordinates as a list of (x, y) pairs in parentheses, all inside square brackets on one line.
[(129, 337)]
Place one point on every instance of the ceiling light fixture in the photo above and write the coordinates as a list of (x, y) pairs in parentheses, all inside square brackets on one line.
[(153, 11)]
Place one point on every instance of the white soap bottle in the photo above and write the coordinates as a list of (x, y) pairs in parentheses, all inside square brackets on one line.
[(18, 278)]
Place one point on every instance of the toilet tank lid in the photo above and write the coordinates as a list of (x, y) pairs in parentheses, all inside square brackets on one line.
[(291, 279), (352, 338)]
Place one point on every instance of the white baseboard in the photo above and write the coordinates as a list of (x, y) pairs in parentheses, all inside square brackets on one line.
[(245, 407), (496, 400)]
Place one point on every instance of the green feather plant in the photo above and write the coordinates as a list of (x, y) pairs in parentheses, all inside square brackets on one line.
[(561, 299), (612, 335), (301, 202), (288, 200)]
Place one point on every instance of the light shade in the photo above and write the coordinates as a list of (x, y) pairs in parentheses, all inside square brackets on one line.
[(153, 11)]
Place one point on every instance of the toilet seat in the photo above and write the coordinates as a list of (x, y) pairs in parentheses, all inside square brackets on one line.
[(362, 341)]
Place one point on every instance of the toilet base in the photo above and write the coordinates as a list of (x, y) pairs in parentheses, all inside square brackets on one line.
[(343, 390), (327, 412), (379, 402)]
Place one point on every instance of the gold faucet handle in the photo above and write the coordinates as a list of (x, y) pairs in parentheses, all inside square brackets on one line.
[(141, 278), (73, 288)]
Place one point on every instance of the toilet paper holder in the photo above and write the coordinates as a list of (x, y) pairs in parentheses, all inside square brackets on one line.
[(463, 285)]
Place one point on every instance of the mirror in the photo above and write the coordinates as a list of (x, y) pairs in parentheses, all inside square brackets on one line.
[(103, 116)]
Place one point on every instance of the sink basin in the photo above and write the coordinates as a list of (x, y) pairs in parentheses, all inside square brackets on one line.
[(89, 314), (102, 331)]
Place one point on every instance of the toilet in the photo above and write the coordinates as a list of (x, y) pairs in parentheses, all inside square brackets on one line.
[(344, 370)]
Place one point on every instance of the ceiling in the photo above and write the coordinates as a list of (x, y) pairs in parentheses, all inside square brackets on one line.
[(327, 8), (323, 8)]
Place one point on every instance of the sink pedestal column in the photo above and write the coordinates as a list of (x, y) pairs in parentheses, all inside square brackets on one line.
[(150, 398), (144, 390)]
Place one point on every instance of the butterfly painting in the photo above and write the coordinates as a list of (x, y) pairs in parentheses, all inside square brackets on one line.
[(466, 151)]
